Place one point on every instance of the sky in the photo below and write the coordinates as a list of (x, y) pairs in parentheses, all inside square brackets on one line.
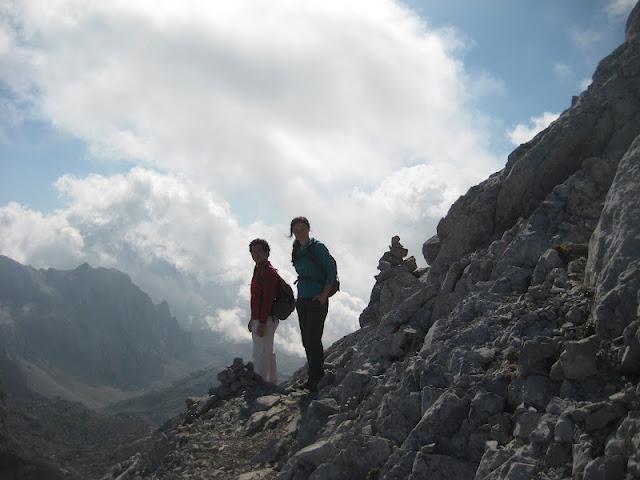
[(159, 138)]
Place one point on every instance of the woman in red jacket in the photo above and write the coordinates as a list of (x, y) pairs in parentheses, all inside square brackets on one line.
[(262, 325)]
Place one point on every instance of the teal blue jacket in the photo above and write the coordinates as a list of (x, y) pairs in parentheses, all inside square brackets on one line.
[(311, 279)]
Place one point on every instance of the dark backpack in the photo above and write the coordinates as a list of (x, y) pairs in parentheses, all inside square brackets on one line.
[(312, 256), (285, 302)]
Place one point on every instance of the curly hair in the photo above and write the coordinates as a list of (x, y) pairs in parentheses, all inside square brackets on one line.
[(263, 244)]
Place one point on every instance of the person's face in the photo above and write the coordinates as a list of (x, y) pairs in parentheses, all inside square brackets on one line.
[(257, 253), (301, 232)]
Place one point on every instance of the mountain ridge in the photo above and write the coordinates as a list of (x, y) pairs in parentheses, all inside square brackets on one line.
[(86, 325)]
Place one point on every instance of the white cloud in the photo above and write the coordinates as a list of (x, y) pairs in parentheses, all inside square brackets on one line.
[(29, 236), (178, 242), (357, 115), (562, 71), (172, 237), (584, 84), (522, 133), (231, 323), (250, 91), (586, 39), (343, 316), (619, 8)]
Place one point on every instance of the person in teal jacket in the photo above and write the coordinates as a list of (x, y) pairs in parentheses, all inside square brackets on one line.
[(316, 277)]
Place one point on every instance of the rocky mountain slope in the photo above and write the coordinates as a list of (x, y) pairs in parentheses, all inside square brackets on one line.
[(516, 355), (83, 334), (160, 405), (78, 442), (17, 463)]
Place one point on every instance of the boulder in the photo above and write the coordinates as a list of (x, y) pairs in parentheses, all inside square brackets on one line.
[(537, 356), (430, 249), (441, 420), (525, 424), (314, 454), (549, 260), (578, 361), (604, 468), (563, 431), (440, 467)]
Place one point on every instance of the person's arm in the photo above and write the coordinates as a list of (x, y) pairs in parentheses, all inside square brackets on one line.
[(269, 287), (324, 258)]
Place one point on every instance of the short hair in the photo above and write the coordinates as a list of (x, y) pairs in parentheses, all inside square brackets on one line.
[(263, 244), (298, 220)]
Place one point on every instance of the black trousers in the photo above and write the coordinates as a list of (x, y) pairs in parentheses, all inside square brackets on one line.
[(311, 315)]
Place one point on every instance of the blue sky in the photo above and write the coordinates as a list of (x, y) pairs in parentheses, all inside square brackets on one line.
[(159, 138)]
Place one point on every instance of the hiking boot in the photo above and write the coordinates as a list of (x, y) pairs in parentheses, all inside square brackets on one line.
[(295, 387), (311, 386)]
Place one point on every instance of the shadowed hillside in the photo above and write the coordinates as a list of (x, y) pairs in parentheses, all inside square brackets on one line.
[(84, 334)]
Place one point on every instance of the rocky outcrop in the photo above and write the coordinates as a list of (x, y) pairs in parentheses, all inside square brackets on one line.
[(601, 123), (613, 269), (515, 356)]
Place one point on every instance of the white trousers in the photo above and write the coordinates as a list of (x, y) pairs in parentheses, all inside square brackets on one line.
[(264, 356)]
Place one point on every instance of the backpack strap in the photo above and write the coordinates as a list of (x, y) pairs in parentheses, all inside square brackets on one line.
[(310, 252), (315, 260)]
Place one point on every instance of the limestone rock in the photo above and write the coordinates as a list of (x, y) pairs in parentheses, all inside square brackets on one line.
[(578, 361), (314, 454), (430, 249), (549, 260), (442, 419), (612, 269), (526, 424), (600, 418), (563, 430), (537, 356), (440, 467), (604, 468)]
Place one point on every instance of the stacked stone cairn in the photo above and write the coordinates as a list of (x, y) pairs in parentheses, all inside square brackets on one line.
[(239, 379), (398, 278)]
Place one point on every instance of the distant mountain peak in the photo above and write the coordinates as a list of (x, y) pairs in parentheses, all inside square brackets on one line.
[(91, 325)]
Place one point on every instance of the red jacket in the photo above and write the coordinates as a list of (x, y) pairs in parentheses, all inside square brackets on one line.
[(264, 286)]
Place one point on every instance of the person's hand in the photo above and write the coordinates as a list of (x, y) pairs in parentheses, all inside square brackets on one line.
[(249, 325), (322, 298), (262, 328)]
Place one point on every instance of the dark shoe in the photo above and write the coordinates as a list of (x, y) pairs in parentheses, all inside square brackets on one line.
[(311, 386), (296, 386)]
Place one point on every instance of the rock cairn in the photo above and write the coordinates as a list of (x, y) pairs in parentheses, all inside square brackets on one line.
[(397, 279), (239, 379)]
